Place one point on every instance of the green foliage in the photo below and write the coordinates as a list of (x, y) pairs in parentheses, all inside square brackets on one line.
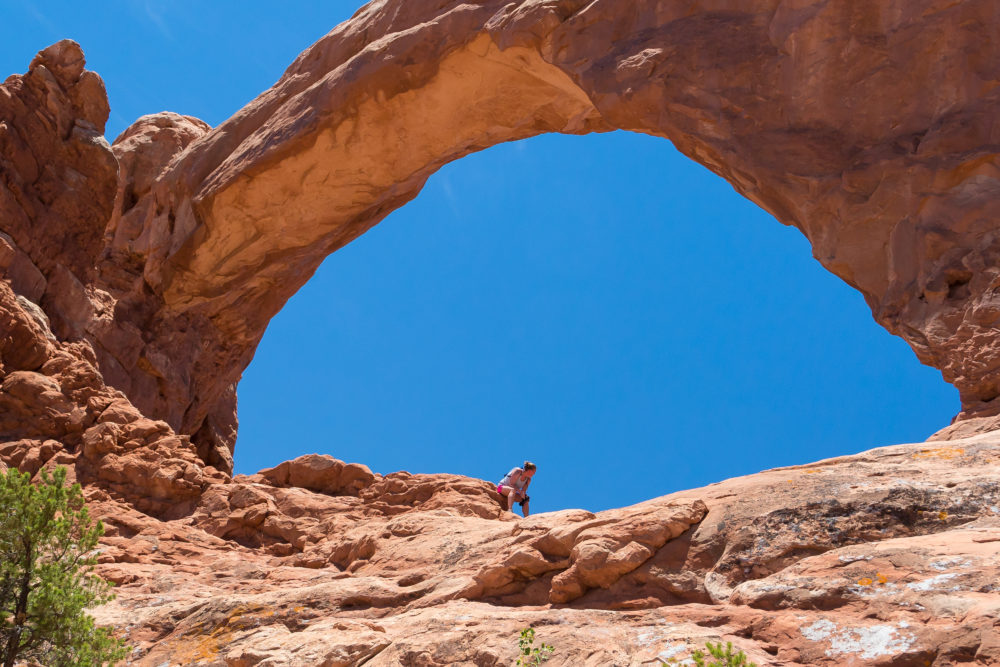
[(723, 657), (532, 656), (47, 543)]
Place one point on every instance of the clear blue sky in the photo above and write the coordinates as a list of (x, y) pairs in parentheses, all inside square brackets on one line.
[(600, 305)]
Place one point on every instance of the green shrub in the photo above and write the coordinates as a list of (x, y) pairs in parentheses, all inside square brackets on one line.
[(723, 657), (532, 656), (47, 543)]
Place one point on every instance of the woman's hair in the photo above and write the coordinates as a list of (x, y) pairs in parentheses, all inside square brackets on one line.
[(528, 465)]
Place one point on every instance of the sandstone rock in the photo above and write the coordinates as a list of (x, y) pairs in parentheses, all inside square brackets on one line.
[(603, 553), (401, 492), (25, 343), (59, 175), (137, 282), (28, 455), (321, 473), (56, 410), (898, 209), (884, 558), (144, 150), (22, 273), (172, 269)]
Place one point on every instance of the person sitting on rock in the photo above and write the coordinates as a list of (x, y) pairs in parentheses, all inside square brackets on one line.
[(513, 487)]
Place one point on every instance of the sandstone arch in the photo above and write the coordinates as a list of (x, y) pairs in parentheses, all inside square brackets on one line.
[(870, 128)]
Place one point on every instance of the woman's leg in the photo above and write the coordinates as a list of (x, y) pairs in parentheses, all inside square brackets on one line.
[(510, 494), (524, 508)]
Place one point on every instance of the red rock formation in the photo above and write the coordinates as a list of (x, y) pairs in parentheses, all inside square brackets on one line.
[(59, 179), (868, 129), (139, 278), (884, 558), (798, 108), (56, 410)]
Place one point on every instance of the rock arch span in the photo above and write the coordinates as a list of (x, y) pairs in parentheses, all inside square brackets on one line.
[(869, 128)]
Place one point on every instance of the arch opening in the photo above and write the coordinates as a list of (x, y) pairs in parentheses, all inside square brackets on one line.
[(551, 299)]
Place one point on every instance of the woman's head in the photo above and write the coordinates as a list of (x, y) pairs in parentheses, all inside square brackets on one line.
[(529, 466)]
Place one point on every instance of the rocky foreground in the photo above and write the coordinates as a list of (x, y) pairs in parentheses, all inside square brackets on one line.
[(890, 557)]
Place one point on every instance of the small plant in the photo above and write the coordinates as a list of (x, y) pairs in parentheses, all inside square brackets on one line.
[(532, 656), (723, 657), (726, 656)]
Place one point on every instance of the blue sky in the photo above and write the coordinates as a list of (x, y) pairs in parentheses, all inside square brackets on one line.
[(600, 305)]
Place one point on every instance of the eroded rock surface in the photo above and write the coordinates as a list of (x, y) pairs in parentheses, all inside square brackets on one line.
[(890, 557)]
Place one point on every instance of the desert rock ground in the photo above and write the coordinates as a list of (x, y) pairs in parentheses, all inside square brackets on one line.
[(890, 557)]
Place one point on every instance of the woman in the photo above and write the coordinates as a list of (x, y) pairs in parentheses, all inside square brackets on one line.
[(514, 486)]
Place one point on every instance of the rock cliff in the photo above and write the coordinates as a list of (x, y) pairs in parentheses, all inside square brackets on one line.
[(140, 276)]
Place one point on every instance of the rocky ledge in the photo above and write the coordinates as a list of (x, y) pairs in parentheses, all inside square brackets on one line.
[(889, 557)]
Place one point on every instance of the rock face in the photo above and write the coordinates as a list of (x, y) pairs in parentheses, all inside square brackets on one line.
[(56, 410), (869, 129), (889, 557), (138, 279)]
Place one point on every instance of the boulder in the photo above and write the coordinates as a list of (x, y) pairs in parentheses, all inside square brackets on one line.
[(321, 473)]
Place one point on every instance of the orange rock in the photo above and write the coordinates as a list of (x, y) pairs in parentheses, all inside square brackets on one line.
[(870, 131), (851, 565), (138, 280), (321, 473)]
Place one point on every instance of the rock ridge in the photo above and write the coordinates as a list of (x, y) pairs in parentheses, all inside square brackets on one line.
[(807, 565)]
